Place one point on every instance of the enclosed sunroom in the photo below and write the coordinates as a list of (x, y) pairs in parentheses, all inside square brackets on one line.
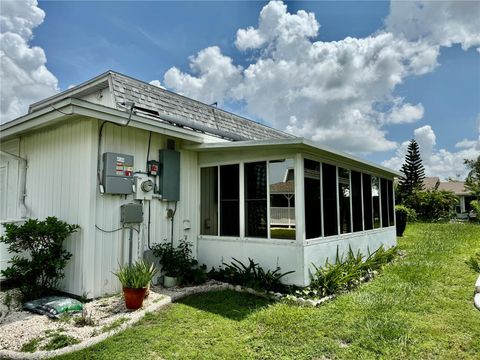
[(290, 204)]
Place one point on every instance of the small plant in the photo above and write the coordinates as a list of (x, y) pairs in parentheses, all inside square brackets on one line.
[(474, 262), (251, 275), (137, 275), (58, 341), (178, 262), (114, 324), (347, 272), (30, 346), (40, 270), (86, 319)]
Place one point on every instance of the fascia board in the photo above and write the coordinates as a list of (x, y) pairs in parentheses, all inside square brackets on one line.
[(302, 145), (56, 112)]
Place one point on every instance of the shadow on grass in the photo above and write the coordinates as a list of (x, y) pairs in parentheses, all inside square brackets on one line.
[(229, 304)]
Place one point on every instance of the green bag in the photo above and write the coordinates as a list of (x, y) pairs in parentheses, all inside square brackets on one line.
[(53, 306)]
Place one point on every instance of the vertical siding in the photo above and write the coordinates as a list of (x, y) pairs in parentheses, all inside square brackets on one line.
[(59, 165), (111, 249)]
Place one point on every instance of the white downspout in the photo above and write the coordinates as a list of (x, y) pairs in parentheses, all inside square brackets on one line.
[(23, 181)]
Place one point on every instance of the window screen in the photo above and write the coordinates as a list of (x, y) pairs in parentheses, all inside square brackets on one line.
[(391, 198), (376, 201), (367, 202), (229, 200), (329, 179), (313, 206), (344, 200), (384, 201), (356, 200), (256, 199), (209, 201)]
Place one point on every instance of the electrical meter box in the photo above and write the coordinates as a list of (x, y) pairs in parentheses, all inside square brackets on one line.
[(169, 179), (131, 213), (117, 175)]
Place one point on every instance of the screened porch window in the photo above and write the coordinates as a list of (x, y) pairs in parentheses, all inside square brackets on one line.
[(344, 200), (256, 200), (329, 180), (313, 205), (225, 212)]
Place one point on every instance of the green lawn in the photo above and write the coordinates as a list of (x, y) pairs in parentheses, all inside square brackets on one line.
[(420, 307)]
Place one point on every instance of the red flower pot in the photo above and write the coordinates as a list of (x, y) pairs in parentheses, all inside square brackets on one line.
[(134, 297)]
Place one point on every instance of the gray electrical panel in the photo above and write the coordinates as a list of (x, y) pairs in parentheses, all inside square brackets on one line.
[(169, 179), (117, 177), (131, 213)]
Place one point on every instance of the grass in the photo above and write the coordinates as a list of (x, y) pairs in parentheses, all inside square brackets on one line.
[(419, 307), (282, 233)]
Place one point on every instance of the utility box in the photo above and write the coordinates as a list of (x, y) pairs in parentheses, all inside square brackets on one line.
[(117, 177), (131, 213), (169, 178)]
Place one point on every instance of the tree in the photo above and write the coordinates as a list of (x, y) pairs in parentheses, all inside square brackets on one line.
[(472, 182), (413, 173)]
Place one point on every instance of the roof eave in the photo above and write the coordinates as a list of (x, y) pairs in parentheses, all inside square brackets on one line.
[(301, 144), (65, 108)]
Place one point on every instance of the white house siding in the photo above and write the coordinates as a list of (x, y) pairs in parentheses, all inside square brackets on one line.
[(318, 251), (111, 249), (270, 254), (59, 159)]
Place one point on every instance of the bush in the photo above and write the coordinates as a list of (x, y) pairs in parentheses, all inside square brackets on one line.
[(346, 273), (40, 270), (252, 276), (179, 262), (432, 205)]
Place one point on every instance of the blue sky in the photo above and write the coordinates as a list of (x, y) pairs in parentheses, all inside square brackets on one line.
[(146, 39)]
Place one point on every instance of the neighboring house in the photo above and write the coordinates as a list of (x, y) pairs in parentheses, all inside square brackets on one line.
[(464, 195), (191, 171)]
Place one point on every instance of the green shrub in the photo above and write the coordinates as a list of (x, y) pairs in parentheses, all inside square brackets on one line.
[(432, 205), (40, 270), (346, 273), (251, 275), (136, 276), (410, 214), (179, 262)]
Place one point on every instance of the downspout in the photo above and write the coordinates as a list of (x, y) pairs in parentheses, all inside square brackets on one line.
[(23, 181)]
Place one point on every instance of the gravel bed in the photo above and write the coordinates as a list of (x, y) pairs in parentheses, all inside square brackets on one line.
[(18, 327), (108, 316)]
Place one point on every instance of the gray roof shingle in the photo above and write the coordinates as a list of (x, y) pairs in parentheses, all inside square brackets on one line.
[(125, 89)]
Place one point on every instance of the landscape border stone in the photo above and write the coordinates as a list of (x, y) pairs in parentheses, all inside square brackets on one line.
[(476, 297)]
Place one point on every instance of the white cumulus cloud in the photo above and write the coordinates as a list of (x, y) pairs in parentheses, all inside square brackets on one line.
[(440, 22), (25, 78), (338, 93), (437, 162), (216, 75)]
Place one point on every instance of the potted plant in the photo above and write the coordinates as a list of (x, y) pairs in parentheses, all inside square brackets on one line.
[(135, 278), (170, 259), (178, 264)]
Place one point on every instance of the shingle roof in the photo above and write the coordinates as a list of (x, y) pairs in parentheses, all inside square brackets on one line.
[(430, 183), (125, 89), (283, 187), (458, 187)]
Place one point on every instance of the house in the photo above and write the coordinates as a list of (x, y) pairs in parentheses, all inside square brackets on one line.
[(464, 195), (134, 165)]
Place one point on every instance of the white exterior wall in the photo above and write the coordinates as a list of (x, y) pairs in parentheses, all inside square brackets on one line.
[(62, 182), (318, 251), (270, 254), (59, 160), (111, 249), (297, 255)]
